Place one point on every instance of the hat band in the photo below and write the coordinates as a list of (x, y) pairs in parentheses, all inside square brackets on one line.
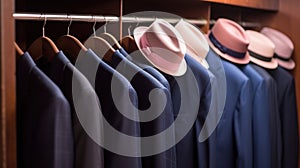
[(260, 57), (281, 58), (224, 49)]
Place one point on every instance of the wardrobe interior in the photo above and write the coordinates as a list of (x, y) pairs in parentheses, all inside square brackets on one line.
[(255, 14)]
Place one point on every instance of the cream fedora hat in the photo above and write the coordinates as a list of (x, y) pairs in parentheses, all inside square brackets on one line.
[(261, 50), (162, 46), (196, 42)]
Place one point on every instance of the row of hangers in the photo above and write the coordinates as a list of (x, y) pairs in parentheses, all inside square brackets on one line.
[(103, 45)]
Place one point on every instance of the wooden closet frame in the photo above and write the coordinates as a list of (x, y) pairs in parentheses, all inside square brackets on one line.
[(8, 86), (286, 20)]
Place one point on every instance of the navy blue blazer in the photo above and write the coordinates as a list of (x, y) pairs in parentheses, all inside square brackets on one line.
[(143, 83), (78, 91), (205, 152), (101, 75), (274, 142), (189, 152), (288, 116), (262, 116), (138, 59), (44, 130), (234, 131)]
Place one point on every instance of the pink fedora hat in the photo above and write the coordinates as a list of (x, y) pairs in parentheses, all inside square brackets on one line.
[(229, 40), (196, 43), (261, 50), (162, 46), (283, 47)]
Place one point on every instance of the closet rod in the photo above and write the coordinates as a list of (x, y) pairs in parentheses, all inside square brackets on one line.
[(97, 18)]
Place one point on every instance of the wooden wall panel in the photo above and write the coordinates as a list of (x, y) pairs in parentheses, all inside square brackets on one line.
[(257, 4), (8, 90)]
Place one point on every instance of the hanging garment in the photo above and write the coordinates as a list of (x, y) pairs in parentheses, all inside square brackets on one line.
[(116, 96), (141, 62), (234, 132), (143, 83), (262, 113), (205, 149), (261, 51), (83, 101), (265, 126), (204, 153), (187, 148), (288, 116), (45, 137)]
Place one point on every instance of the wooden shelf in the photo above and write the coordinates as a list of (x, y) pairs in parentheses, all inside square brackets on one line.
[(271, 5)]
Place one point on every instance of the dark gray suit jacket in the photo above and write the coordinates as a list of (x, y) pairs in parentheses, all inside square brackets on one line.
[(144, 83), (81, 97), (107, 82), (44, 130)]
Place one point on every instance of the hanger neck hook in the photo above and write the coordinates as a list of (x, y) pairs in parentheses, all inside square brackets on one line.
[(68, 31), (129, 32), (94, 29), (105, 24), (45, 21), (137, 21)]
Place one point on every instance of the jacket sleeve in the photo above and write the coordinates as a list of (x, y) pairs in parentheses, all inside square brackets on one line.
[(290, 127), (243, 127)]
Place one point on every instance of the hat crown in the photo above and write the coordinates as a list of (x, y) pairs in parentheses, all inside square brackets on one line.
[(193, 36), (283, 44), (260, 44), (163, 36), (162, 46), (231, 35)]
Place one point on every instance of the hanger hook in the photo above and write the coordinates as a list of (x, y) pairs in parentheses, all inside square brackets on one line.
[(45, 21), (129, 32), (105, 24), (94, 29), (68, 32), (137, 21)]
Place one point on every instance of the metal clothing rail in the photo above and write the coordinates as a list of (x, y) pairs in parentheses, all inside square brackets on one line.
[(97, 18)]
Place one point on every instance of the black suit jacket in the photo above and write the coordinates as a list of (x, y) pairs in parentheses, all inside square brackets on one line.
[(44, 130), (286, 95)]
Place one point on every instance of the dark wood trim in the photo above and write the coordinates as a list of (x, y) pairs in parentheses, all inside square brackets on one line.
[(8, 86)]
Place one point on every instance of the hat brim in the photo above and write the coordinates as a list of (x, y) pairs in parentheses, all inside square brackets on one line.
[(269, 65), (137, 33), (290, 65), (242, 61), (199, 59)]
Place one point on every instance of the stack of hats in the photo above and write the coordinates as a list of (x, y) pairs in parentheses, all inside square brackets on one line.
[(283, 47)]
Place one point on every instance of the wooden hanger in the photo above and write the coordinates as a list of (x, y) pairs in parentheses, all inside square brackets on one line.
[(128, 43), (18, 49), (70, 45), (43, 47), (110, 38), (100, 46)]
